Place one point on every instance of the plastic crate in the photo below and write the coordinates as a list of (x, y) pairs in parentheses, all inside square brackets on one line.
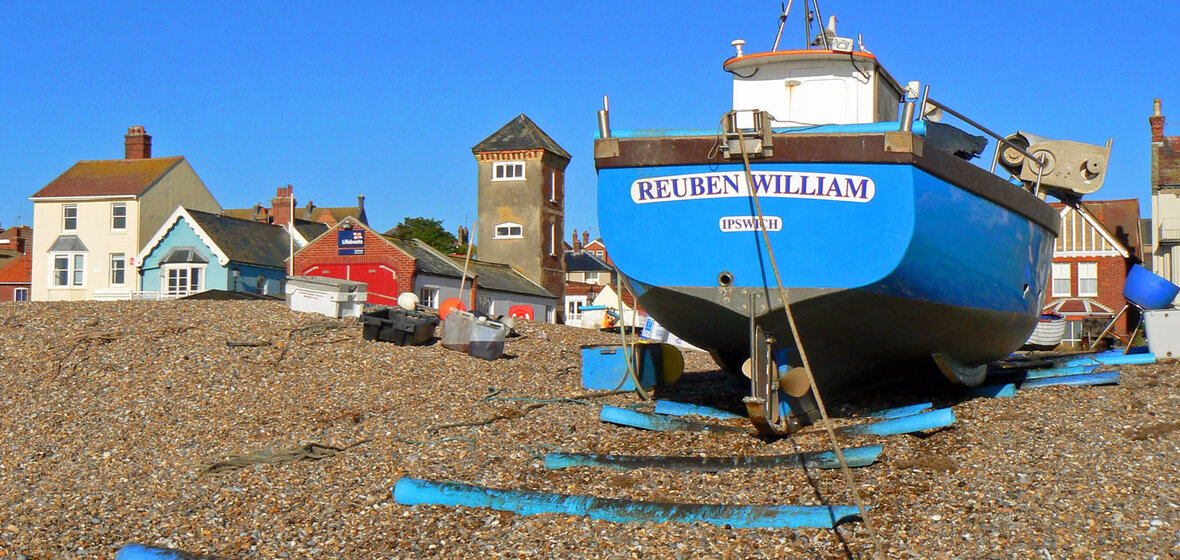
[(401, 327)]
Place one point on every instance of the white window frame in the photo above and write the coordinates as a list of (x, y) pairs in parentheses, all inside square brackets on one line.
[(573, 308), (114, 216), (75, 270), (1087, 273), (508, 171), (590, 277), (67, 216), (166, 273), (552, 185), (428, 297), (552, 239), (508, 231), (17, 292), (1059, 280), (121, 260)]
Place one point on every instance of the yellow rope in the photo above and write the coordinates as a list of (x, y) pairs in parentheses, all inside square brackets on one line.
[(848, 478)]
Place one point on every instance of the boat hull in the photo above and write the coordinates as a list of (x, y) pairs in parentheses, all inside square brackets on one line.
[(887, 257)]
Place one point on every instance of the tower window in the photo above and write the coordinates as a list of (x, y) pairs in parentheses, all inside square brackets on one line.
[(508, 171), (509, 230)]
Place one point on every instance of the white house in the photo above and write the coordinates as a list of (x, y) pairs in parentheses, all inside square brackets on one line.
[(94, 219)]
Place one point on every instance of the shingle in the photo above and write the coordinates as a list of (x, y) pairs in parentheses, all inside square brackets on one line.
[(428, 259), (520, 133), (585, 262), (111, 177), (502, 278), (246, 241)]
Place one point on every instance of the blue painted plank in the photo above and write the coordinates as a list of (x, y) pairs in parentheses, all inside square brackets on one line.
[(1003, 390), (1100, 378), (854, 456), (1059, 371), (410, 491), (1111, 359), (901, 411), (642, 420), (673, 408), (904, 425), (140, 552)]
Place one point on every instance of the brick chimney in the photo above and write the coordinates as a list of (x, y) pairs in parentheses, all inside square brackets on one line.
[(137, 144), (1157, 123), (577, 244), (585, 238), (281, 205)]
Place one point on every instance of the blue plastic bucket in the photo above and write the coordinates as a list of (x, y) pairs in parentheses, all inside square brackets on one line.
[(1149, 290)]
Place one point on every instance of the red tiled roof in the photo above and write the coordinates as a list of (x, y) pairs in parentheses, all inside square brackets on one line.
[(1079, 306), (109, 177), (19, 271)]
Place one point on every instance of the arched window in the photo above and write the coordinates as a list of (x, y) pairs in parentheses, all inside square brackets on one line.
[(508, 230)]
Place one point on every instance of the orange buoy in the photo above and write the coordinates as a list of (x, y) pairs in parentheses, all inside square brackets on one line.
[(449, 305)]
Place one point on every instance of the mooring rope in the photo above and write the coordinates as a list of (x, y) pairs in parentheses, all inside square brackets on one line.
[(823, 411)]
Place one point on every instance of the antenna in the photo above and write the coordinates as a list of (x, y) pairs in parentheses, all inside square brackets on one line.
[(782, 22)]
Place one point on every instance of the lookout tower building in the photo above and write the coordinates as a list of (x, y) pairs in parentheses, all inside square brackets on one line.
[(522, 202)]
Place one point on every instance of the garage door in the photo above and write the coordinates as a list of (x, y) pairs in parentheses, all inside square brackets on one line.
[(382, 280)]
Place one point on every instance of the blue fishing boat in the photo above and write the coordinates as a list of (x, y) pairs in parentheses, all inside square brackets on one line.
[(834, 188)]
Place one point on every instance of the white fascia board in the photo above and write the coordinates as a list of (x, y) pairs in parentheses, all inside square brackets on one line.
[(167, 226), (83, 198)]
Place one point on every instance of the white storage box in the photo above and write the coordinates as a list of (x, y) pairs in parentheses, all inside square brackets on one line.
[(327, 296), (1163, 332)]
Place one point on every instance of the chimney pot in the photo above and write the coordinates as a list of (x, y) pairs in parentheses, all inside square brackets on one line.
[(1157, 123), (137, 144)]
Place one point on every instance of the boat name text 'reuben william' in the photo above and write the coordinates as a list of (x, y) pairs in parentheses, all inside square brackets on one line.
[(828, 186)]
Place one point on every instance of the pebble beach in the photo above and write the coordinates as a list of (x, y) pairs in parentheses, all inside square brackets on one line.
[(246, 430)]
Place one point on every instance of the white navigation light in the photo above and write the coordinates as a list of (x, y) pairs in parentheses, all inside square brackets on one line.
[(738, 43)]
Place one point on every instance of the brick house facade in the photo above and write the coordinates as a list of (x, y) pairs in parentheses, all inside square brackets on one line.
[(351, 250), (1091, 259)]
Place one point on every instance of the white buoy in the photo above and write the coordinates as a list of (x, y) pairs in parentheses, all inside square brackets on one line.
[(408, 301)]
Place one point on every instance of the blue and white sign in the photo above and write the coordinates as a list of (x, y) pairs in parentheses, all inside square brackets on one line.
[(351, 241), (774, 184), (350, 238)]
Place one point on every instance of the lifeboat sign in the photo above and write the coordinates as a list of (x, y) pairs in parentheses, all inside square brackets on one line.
[(772, 184), (351, 241)]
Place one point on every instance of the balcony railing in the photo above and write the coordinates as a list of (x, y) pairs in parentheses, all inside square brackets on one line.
[(1169, 230)]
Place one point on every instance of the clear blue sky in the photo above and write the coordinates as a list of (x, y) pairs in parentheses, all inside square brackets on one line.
[(386, 99)]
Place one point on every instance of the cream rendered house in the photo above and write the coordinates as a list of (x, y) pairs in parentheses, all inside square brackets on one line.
[(97, 216)]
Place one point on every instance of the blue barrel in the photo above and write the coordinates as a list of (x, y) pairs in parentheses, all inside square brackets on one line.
[(1149, 290)]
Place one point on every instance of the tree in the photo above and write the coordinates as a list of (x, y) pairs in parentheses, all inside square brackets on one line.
[(429, 231)]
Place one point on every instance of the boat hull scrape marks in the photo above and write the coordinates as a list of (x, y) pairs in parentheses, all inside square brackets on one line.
[(410, 491), (1040, 373), (1106, 359), (140, 552), (659, 423), (1009, 389), (901, 411), (1100, 378), (1004, 390), (855, 456), (673, 408), (934, 419)]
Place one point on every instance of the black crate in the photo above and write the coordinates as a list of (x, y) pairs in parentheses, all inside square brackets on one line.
[(401, 327)]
